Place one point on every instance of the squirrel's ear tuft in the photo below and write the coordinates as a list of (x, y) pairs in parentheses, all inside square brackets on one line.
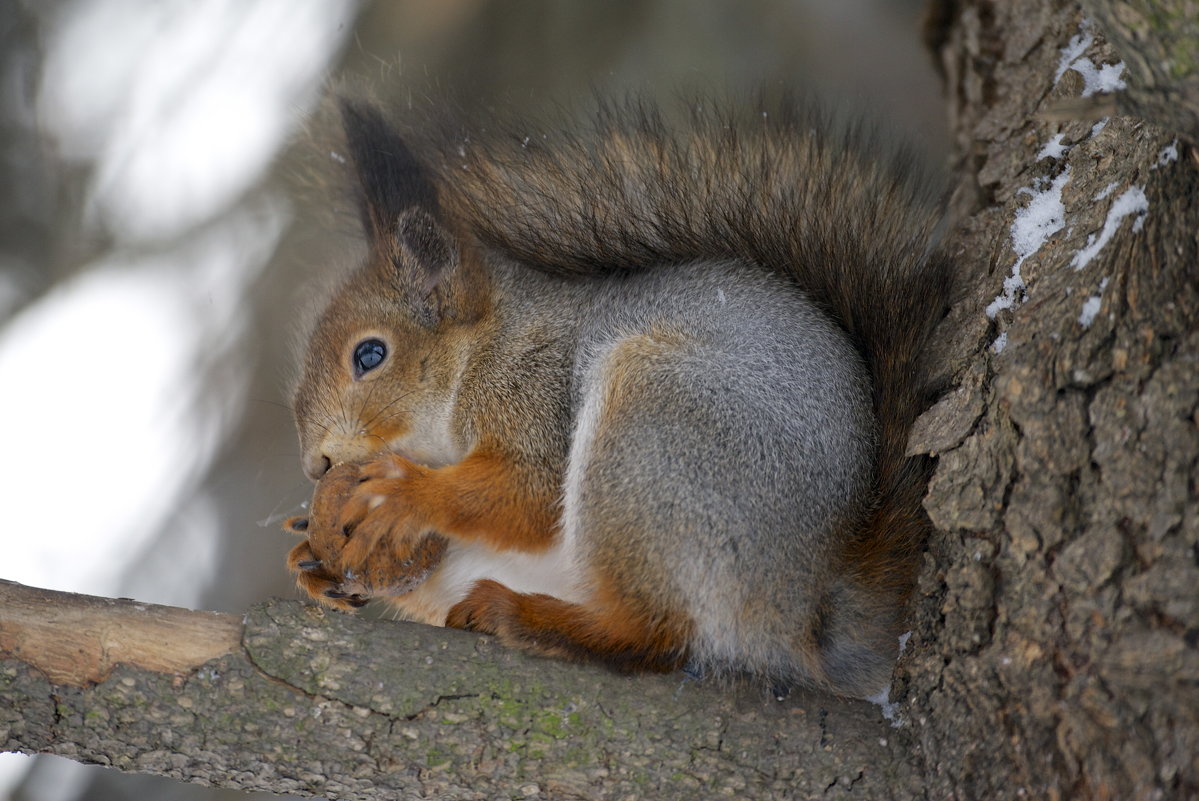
[(390, 179)]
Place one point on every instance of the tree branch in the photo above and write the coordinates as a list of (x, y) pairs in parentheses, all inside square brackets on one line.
[(294, 699)]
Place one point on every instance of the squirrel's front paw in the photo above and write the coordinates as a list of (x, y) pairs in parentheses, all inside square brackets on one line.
[(378, 507), (314, 577), (351, 554)]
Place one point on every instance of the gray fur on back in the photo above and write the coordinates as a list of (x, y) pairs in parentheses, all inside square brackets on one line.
[(754, 445)]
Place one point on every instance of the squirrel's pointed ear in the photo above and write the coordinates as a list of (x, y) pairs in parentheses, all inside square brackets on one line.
[(390, 179), (425, 260)]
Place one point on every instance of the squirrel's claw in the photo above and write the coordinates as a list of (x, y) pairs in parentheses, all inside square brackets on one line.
[(314, 579), (354, 600), (296, 525)]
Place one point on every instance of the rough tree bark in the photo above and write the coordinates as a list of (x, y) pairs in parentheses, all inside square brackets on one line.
[(1055, 648), (1055, 651), (294, 699)]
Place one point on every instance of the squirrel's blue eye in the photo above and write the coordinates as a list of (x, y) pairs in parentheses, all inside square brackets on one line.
[(369, 354)]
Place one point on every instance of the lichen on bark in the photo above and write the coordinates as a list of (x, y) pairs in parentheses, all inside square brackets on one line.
[(319, 703)]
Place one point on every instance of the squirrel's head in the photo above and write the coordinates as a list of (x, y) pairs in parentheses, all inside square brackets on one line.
[(383, 361)]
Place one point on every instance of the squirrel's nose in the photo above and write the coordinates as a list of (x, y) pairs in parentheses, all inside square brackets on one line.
[(316, 464), (319, 455)]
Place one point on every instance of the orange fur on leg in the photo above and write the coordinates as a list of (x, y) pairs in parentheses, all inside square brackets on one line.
[(616, 633), (480, 498)]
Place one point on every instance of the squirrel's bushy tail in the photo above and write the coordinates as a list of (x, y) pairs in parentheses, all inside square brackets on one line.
[(847, 214)]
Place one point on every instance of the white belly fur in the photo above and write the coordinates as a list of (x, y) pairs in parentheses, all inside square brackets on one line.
[(552, 572)]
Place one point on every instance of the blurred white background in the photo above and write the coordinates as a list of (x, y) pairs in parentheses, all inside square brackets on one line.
[(151, 260)]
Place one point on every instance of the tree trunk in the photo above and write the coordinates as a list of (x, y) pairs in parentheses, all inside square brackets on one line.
[(1057, 623), (1055, 651)]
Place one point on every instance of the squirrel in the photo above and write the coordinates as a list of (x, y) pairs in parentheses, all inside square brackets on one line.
[(635, 392)]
